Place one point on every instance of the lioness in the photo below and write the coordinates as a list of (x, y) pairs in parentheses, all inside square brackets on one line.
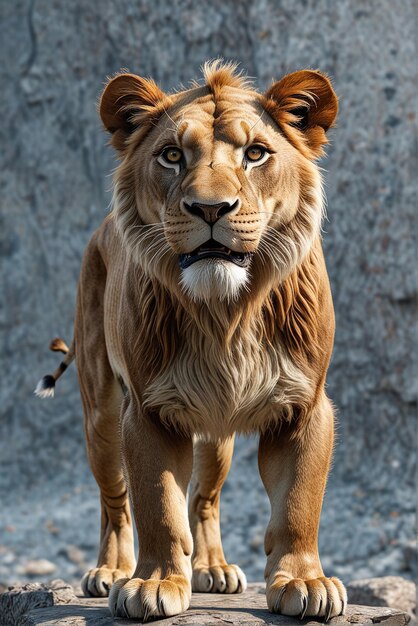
[(204, 309)]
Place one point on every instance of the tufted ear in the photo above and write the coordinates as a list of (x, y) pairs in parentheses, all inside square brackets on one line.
[(126, 102), (305, 106)]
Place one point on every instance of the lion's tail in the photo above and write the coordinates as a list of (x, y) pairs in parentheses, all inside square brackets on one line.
[(46, 386)]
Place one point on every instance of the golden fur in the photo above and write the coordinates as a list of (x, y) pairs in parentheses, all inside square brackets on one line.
[(167, 354)]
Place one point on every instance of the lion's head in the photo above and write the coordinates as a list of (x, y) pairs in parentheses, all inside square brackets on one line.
[(217, 189)]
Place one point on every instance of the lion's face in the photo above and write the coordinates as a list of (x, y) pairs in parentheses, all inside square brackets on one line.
[(215, 184), (220, 176)]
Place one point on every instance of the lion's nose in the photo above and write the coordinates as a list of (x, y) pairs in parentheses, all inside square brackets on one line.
[(210, 213)]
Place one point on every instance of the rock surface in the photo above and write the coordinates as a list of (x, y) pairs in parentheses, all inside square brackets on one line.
[(54, 169), (248, 609), (41, 567), (393, 591), (18, 600)]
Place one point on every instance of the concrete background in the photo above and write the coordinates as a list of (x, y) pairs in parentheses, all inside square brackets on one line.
[(55, 180)]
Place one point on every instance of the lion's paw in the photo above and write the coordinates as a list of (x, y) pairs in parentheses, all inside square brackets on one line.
[(219, 579), (321, 597), (152, 598), (98, 581)]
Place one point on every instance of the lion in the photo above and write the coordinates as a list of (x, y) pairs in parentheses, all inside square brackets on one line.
[(204, 310)]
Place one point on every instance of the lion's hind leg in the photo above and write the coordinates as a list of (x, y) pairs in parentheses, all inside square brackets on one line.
[(116, 557), (102, 397), (211, 572)]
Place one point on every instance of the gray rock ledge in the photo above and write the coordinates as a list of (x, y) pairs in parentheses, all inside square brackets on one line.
[(56, 604), (394, 591)]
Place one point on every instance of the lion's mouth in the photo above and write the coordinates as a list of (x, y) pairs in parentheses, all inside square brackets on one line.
[(214, 250)]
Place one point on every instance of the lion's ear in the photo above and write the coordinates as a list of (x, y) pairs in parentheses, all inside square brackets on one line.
[(126, 100), (304, 102)]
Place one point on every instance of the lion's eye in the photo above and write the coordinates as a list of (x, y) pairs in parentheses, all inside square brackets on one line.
[(172, 155), (255, 153)]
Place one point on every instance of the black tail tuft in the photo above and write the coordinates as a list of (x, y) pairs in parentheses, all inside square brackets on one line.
[(45, 387)]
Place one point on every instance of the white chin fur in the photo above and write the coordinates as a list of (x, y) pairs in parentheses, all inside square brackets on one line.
[(213, 279)]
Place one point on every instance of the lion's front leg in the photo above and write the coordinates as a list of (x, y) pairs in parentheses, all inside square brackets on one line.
[(294, 464), (158, 464)]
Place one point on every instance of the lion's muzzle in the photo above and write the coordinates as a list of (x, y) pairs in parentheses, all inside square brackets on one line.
[(214, 250)]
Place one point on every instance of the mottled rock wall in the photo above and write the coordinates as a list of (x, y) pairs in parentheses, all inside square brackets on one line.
[(54, 193)]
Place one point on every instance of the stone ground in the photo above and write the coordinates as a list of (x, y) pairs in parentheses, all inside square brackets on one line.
[(42, 607), (58, 521)]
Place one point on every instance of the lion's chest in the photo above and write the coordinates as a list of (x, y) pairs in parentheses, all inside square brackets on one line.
[(215, 392)]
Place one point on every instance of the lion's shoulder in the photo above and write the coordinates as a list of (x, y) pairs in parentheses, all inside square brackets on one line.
[(106, 243), (105, 239)]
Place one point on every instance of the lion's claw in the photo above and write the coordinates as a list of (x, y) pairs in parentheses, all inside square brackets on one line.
[(305, 606), (219, 579), (98, 581), (317, 597), (276, 608), (151, 598), (329, 610)]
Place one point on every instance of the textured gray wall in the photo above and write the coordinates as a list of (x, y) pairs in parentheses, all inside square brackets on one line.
[(54, 193)]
